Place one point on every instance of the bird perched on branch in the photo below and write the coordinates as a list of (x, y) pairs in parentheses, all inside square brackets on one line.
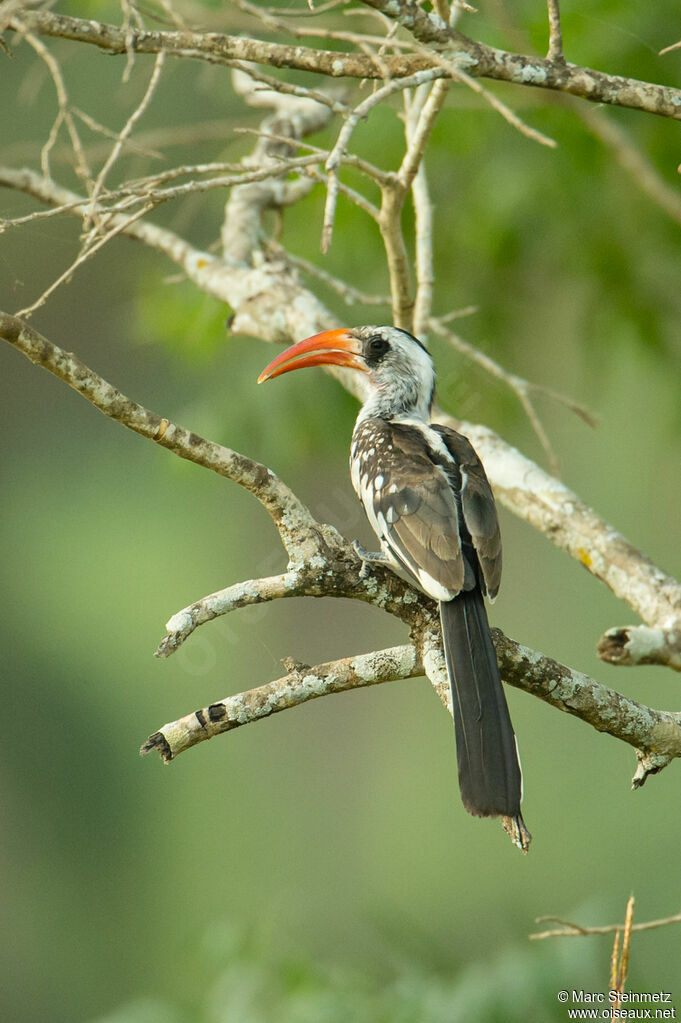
[(427, 497)]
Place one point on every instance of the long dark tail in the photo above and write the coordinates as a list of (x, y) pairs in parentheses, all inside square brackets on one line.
[(489, 769)]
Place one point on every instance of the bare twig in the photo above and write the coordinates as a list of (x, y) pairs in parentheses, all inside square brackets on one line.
[(348, 292), (397, 257), (423, 218), (64, 115), (339, 150), (315, 9), (420, 133), (128, 144), (363, 39), (636, 163), (393, 195), (348, 159), (506, 112), (519, 385), (572, 930), (555, 33), (142, 191), (87, 252), (458, 314), (287, 88), (459, 75), (131, 17), (350, 193), (126, 132)]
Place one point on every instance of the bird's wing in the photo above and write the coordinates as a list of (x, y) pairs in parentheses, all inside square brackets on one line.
[(410, 494), (478, 507)]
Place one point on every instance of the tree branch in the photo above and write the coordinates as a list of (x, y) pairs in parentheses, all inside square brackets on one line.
[(322, 564), (638, 644), (482, 61), (656, 735), (272, 304), (254, 591), (476, 59), (296, 526), (300, 685), (555, 510)]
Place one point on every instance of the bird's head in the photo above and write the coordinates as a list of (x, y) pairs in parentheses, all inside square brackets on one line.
[(400, 370)]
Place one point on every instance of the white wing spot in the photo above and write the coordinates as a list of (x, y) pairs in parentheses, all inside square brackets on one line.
[(378, 482)]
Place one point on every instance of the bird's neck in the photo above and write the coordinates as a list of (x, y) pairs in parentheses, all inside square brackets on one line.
[(395, 405)]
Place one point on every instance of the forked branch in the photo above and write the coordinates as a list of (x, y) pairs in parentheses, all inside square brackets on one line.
[(322, 563)]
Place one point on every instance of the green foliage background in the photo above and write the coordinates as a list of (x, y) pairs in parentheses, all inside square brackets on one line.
[(320, 867)]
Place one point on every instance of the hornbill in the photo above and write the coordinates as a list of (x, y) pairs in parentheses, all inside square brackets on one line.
[(427, 497)]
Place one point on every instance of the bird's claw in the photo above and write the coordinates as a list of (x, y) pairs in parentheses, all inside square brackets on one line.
[(368, 558)]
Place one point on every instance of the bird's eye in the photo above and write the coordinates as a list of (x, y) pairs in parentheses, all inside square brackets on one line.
[(377, 346)]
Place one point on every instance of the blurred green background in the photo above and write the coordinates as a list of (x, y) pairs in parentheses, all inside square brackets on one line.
[(318, 867)]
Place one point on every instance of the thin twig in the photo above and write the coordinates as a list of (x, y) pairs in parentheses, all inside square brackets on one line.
[(264, 16), (312, 12), (64, 115), (87, 253), (175, 18), (458, 74), (376, 174), (350, 193), (555, 32), (348, 292), (420, 117), (421, 132), (458, 314), (519, 385), (572, 930), (637, 164), (287, 88), (141, 190), (392, 202), (100, 129), (132, 19), (126, 130), (423, 222), (339, 150)]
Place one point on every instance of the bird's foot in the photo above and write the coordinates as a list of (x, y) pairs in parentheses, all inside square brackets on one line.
[(368, 558)]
